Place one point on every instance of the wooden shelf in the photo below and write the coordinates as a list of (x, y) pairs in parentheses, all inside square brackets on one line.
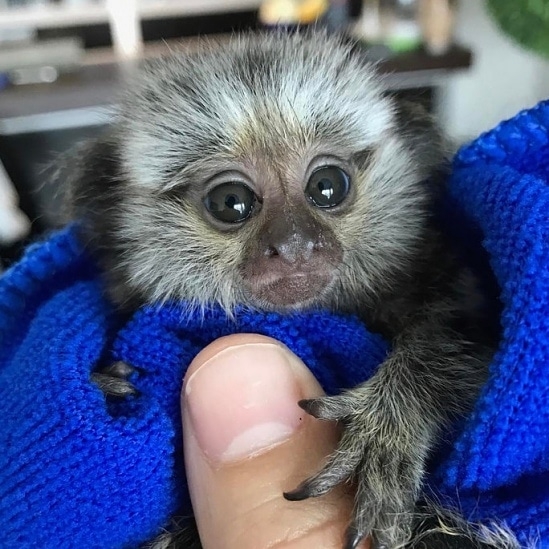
[(454, 59), (96, 84), (59, 16)]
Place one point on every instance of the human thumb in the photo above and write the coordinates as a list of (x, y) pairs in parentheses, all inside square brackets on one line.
[(247, 441)]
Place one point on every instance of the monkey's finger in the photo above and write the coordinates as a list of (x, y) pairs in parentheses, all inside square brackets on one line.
[(247, 441)]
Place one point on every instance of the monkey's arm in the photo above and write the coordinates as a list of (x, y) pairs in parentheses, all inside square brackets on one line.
[(391, 422)]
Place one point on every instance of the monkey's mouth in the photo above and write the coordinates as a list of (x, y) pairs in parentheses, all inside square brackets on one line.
[(291, 291)]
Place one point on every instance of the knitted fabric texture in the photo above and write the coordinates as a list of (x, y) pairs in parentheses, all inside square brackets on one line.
[(78, 471)]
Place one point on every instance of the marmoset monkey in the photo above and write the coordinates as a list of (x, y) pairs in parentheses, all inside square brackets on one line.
[(275, 172)]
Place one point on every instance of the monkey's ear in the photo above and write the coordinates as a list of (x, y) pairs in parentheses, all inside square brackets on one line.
[(421, 133), (85, 173)]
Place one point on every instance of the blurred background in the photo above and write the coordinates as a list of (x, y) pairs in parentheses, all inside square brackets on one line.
[(471, 62)]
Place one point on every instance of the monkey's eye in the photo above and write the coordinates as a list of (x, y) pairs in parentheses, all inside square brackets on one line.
[(230, 202), (328, 186)]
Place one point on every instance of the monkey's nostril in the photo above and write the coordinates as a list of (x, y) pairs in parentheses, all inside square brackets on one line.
[(271, 251)]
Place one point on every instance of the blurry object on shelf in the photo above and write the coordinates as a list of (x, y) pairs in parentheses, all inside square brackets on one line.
[(21, 3), (399, 25), (278, 12), (77, 2), (392, 24), (526, 22), (310, 11), (17, 4), (14, 224), (45, 74), (368, 26), (436, 20), (125, 27), (16, 34), (337, 17), (40, 62), (19, 34), (291, 12)]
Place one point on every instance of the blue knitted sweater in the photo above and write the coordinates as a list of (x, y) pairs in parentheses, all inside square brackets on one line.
[(76, 471)]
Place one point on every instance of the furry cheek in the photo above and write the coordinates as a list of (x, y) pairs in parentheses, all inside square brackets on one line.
[(198, 263)]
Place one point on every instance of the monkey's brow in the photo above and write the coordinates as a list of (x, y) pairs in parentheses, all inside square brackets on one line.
[(175, 192), (362, 159), (195, 173)]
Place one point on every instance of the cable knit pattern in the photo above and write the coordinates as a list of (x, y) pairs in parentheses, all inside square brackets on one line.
[(76, 471)]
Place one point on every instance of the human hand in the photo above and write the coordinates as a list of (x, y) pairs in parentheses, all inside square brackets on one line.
[(247, 441)]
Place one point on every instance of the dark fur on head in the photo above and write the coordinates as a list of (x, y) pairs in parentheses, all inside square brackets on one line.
[(268, 111)]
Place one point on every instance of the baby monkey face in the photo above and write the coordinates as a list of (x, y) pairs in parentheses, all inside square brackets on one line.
[(284, 216), (273, 173)]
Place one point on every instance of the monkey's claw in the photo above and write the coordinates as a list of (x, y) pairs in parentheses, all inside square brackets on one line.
[(326, 408), (352, 538), (381, 454), (113, 380)]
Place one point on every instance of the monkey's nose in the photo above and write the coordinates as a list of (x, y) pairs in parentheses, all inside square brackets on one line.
[(293, 249), (293, 265), (291, 239)]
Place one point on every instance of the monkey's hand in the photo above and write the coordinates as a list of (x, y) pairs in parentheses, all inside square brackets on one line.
[(382, 450), (113, 380), (432, 376)]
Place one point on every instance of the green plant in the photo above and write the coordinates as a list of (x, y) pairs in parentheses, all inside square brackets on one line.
[(526, 21)]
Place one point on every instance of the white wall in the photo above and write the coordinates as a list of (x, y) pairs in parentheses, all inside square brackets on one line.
[(504, 78)]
